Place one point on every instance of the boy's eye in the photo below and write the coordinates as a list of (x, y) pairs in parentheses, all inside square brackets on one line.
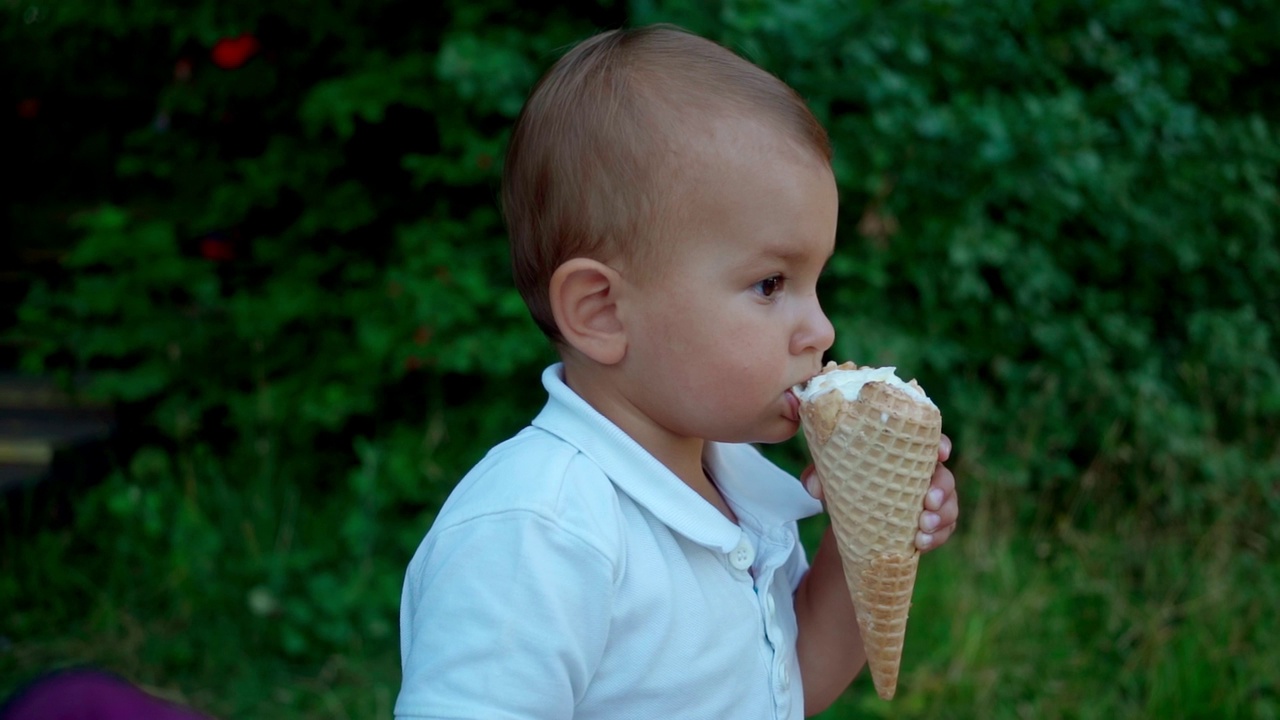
[(770, 285)]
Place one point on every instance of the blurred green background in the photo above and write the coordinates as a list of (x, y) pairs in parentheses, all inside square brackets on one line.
[(266, 235)]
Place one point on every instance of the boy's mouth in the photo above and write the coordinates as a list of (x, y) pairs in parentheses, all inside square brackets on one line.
[(793, 406)]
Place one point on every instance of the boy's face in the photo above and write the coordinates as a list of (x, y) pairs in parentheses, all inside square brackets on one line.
[(732, 320)]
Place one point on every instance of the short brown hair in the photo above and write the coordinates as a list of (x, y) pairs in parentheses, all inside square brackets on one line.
[(589, 169)]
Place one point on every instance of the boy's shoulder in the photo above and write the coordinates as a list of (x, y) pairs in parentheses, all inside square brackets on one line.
[(535, 474)]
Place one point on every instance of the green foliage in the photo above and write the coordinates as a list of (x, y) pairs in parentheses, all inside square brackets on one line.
[(295, 290), (291, 278), (1063, 219)]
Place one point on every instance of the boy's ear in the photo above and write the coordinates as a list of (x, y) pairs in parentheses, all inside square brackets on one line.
[(584, 301)]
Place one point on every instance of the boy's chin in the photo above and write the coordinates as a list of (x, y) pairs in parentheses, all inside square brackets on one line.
[(782, 432)]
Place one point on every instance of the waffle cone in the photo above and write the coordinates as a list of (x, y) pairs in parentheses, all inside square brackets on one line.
[(874, 457)]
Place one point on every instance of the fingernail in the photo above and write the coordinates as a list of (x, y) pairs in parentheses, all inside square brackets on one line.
[(924, 540), (935, 499), (929, 522), (811, 484)]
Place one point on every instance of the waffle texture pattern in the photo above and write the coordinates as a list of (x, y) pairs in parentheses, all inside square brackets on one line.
[(875, 456)]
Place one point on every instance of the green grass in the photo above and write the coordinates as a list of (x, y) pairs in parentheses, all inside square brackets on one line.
[(170, 594), (221, 662), (1128, 618)]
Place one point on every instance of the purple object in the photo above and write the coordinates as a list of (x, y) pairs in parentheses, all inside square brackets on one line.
[(89, 695)]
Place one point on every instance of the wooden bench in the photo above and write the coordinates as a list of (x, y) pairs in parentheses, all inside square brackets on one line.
[(50, 447)]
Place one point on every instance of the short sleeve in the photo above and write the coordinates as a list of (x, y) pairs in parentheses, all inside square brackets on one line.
[(503, 617)]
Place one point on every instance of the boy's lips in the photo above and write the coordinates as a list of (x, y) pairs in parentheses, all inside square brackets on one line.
[(793, 402), (793, 406)]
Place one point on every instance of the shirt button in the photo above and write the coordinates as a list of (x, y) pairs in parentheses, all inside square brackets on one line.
[(743, 555), (769, 606)]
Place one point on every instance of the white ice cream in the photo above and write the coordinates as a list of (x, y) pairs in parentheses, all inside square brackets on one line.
[(850, 383)]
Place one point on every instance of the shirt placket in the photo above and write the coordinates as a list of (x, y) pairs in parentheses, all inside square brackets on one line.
[(779, 656)]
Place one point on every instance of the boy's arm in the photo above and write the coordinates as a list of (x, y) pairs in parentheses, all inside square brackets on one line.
[(829, 645), (505, 615)]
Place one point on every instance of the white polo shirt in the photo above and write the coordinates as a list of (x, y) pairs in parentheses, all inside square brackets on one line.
[(571, 575)]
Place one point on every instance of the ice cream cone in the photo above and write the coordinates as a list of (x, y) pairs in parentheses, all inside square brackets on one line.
[(875, 445)]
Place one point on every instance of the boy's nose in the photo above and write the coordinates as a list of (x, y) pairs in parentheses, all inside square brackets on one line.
[(816, 333)]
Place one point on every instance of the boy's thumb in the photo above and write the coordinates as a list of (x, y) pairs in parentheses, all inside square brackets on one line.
[(810, 479)]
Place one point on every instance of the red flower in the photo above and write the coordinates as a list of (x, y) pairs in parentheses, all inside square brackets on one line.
[(29, 108), (217, 249), (231, 53)]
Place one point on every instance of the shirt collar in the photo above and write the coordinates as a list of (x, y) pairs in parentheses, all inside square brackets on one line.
[(760, 493), (763, 495)]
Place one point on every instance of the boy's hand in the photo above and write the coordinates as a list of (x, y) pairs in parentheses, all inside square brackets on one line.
[(941, 508)]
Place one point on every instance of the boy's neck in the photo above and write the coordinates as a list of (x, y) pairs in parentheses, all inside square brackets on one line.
[(681, 455)]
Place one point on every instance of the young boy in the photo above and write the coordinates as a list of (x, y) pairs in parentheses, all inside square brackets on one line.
[(630, 554)]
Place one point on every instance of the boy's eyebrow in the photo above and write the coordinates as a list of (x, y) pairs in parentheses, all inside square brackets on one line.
[(789, 253)]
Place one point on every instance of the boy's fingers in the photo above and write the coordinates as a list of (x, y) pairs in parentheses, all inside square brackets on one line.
[(936, 527), (945, 516), (941, 486), (933, 499), (941, 511), (948, 514), (947, 520), (936, 539), (930, 521), (944, 449), (810, 479)]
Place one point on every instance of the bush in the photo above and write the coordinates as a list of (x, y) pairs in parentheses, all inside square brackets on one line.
[(293, 284), (286, 266), (1063, 220)]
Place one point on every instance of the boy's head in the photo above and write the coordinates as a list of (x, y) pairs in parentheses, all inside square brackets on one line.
[(594, 168)]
